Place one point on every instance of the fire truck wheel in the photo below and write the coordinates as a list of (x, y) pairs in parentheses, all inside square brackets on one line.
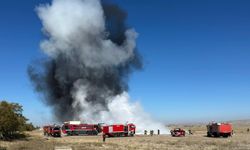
[(69, 133), (218, 135), (208, 134), (214, 134), (225, 135)]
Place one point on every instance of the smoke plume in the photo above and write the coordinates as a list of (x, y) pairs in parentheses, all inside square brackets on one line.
[(90, 53)]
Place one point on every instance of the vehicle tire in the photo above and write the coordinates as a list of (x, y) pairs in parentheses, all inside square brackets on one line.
[(217, 134), (69, 134), (225, 135), (209, 134), (214, 134)]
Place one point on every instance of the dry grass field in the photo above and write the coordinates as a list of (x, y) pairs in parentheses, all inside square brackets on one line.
[(197, 141)]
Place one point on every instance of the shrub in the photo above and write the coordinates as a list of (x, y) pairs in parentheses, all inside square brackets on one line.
[(12, 121)]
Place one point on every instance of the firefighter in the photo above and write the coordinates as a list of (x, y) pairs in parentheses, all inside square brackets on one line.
[(158, 132), (103, 137), (151, 132), (190, 132)]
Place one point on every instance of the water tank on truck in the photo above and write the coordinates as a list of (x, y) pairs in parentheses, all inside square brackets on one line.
[(219, 129)]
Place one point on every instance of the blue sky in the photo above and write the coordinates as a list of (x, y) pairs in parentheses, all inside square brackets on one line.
[(196, 58)]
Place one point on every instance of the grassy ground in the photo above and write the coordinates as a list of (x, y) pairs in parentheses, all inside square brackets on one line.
[(36, 141)]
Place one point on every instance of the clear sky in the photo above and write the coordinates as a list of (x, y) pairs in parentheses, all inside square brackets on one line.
[(196, 58)]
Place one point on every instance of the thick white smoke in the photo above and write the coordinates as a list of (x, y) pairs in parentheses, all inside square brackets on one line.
[(120, 110), (77, 27)]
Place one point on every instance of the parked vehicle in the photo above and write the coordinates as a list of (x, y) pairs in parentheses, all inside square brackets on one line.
[(52, 130), (178, 132), (77, 128), (219, 129), (119, 130)]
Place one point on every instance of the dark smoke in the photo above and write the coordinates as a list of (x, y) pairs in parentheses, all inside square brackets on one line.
[(55, 77)]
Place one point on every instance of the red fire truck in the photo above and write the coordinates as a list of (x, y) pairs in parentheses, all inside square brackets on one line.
[(52, 130), (219, 129), (77, 128), (118, 130)]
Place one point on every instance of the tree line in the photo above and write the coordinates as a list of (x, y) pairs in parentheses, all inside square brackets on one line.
[(12, 121)]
